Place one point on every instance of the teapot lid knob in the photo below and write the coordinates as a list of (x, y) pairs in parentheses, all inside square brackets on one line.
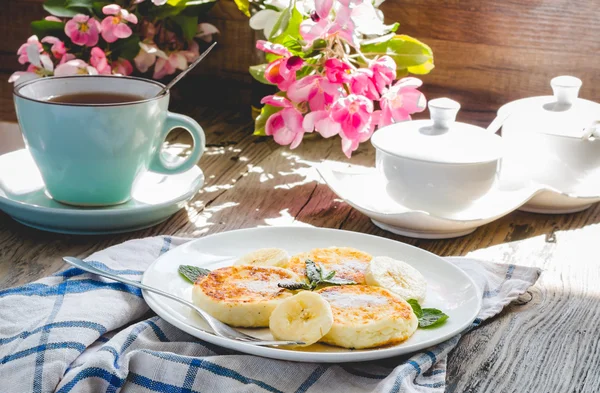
[(443, 112), (566, 89)]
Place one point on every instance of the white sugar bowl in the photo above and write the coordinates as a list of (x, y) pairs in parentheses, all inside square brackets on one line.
[(553, 140), (439, 166)]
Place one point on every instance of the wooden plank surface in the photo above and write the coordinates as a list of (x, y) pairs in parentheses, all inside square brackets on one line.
[(547, 345)]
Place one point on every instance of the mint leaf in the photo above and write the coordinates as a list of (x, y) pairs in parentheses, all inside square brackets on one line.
[(432, 317), (416, 307), (294, 286), (192, 273), (313, 273), (428, 317)]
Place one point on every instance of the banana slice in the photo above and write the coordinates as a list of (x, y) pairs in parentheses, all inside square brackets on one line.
[(265, 257), (304, 317), (397, 277)]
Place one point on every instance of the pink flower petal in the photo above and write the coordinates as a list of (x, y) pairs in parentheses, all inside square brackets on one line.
[(112, 9), (278, 101), (300, 90), (270, 47), (131, 18), (52, 19), (311, 31), (144, 60), (121, 30), (323, 7)]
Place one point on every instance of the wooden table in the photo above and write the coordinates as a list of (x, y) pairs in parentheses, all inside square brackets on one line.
[(550, 344)]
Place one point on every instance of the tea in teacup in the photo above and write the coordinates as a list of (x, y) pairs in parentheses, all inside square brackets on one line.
[(96, 98)]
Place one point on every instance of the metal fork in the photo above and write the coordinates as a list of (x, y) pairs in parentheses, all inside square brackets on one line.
[(218, 327)]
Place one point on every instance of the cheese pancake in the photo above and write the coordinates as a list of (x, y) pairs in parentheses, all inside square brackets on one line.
[(367, 317), (242, 295), (348, 263)]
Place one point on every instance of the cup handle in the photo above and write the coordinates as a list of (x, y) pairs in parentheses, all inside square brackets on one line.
[(175, 120)]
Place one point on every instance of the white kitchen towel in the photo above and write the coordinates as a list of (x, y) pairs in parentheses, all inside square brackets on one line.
[(77, 332)]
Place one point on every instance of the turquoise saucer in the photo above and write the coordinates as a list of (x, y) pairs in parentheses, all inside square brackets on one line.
[(154, 199)]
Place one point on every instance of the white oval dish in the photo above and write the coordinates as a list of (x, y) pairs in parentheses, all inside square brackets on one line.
[(449, 288), (365, 189), (437, 165)]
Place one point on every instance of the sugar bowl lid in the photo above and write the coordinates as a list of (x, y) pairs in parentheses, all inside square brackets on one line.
[(563, 113), (440, 139)]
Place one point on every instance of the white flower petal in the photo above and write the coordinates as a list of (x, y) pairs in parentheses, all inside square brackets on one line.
[(33, 53), (47, 63), (259, 20)]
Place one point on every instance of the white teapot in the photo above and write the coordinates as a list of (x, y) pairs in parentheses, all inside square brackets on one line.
[(553, 140)]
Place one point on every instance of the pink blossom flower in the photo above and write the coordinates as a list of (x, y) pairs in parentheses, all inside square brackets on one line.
[(206, 31), (342, 26), (384, 72), (122, 67), (317, 90), (22, 52), (168, 66), (322, 122), (58, 47), (282, 71), (286, 125), (400, 101), (52, 19), (147, 56), (75, 67), (115, 25), (99, 62), (337, 71), (83, 30), (361, 83), (355, 115)]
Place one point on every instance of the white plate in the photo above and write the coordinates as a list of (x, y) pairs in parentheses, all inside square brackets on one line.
[(449, 288), (365, 190), (155, 198)]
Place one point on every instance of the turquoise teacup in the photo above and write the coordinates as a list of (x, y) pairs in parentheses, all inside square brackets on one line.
[(91, 154)]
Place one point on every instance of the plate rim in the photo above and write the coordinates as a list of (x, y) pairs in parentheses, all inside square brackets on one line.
[(195, 186), (300, 356)]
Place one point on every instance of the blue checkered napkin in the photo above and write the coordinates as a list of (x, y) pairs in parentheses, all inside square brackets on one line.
[(76, 332)]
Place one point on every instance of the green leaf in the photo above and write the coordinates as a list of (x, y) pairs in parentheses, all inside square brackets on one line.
[(86, 4), (187, 24), (330, 275), (261, 120), (432, 317), (258, 73), (428, 317), (286, 28), (294, 286), (43, 28), (416, 307), (126, 48), (313, 272), (58, 8), (409, 53), (192, 273), (244, 6)]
